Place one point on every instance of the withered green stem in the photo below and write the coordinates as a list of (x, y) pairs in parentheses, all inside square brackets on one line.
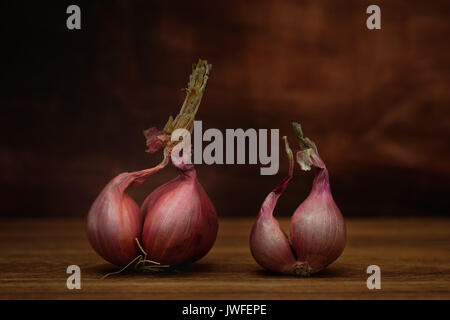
[(289, 155), (194, 93), (303, 142)]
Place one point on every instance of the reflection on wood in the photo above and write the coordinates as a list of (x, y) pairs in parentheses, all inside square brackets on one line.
[(413, 255)]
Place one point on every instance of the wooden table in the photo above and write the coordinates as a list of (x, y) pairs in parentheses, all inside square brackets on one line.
[(413, 254)]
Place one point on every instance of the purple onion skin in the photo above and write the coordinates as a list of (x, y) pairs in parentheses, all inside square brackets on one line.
[(269, 244), (114, 220), (317, 229), (318, 232), (180, 221)]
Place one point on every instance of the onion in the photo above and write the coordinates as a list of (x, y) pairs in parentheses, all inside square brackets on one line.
[(180, 220), (317, 229), (115, 221)]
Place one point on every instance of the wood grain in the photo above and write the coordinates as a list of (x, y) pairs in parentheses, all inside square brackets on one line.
[(413, 254)]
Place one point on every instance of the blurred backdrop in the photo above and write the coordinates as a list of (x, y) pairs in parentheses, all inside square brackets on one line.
[(74, 103)]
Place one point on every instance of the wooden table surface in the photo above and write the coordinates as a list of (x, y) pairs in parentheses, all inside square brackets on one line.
[(413, 254)]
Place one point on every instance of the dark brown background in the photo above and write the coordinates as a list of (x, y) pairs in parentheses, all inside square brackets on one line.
[(376, 102)]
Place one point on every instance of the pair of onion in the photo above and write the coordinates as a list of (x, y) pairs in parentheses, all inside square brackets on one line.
[(317, 229), (177, 222)]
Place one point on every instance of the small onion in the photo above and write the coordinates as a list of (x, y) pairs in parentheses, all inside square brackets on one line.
[(180, 220), (114, 220), (317, 229)]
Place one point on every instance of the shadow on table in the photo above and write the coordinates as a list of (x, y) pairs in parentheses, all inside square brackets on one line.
[(187, 269), (332, 272)]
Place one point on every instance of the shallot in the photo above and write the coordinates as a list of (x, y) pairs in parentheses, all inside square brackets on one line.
[(177, 223), (317, 229)]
